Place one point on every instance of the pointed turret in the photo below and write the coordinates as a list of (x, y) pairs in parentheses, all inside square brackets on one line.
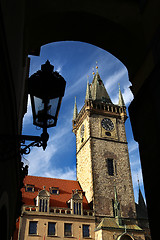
[(88, 92), (121, 100), (141, 207), (98, 90), (141, 201), (75, 112)]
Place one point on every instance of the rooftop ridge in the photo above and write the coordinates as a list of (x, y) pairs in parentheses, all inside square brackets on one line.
[(50, 178)]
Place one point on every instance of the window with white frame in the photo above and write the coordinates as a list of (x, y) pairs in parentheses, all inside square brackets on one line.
[(54, 190), (29, 188)]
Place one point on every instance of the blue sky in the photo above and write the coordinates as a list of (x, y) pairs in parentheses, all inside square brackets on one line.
[(74, 61)]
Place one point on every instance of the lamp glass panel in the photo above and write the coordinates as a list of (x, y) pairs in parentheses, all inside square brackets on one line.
[(49, 113), (39, 105), (54, 104)]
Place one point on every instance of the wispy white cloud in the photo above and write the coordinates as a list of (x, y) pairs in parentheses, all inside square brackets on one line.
[(111, 81), (127, 95), (132, 146), (62, 173), (59, 68), (111, 84), (39, 160), (72, 89)]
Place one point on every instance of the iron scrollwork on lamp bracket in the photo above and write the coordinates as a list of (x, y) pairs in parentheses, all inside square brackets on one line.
[(36, 142), (46, 88)]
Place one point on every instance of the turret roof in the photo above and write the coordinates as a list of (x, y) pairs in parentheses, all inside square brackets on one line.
[(98, 90), (88, 92), (75, 112), (121, 102)]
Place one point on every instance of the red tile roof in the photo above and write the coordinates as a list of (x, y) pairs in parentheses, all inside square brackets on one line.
[(65, 191)]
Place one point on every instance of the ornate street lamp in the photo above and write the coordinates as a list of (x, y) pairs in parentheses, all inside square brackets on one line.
[(46, 89)]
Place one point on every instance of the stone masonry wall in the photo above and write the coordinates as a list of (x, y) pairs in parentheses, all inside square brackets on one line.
[(103, 183), (84, 170), (92, 170), (84, 164)]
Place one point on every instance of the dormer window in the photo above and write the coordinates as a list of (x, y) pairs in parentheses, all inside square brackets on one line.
[(77, 208), (29, 188), (54, 190), (43, 201), (76, 202)]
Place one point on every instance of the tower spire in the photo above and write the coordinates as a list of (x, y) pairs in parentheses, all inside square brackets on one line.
[(121, 100), (75, 112), (88, 92), (98, 90)]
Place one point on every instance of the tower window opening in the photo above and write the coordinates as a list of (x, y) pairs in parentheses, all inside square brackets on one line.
[(110, 167), (108, 134)]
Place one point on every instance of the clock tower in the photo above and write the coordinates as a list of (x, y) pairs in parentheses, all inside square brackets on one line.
[(103, 166)]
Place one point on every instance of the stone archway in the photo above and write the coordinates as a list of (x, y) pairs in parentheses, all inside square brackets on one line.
[(125, 236), (83, 23)]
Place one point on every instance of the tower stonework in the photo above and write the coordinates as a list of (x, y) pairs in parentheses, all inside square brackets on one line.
[(102, 152)]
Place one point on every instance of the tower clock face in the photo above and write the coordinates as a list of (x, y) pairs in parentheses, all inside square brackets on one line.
[(107, 124), (82, 131)]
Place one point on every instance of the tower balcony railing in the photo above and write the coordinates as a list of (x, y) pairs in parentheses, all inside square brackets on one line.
[(92, 105), (106, 107)]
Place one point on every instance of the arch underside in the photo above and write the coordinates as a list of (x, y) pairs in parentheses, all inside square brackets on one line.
[(112, 35)]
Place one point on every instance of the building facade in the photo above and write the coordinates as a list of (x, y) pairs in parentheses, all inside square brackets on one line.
[(54, 208), (100, 204)]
